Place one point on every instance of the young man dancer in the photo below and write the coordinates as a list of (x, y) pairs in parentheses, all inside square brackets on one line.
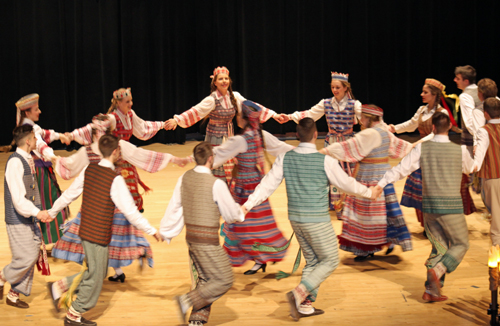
[(308, 175), (22, 212), (198, 201), (102, 190), (444, 220)]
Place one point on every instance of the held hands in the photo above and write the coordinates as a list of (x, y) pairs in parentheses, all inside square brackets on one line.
[(64, 138), (391, 128), (180, 161), (44, 216), (158, 237), (54, 160), (376, 192), (244, 210), (281, 118), (170, 124)]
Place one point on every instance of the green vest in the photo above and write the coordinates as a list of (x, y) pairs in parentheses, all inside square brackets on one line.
[(441, 165), (306, 187)]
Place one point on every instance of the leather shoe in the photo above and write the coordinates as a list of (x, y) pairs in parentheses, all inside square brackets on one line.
[(119, 278), (315, 313), (82, 322), (17, 304), (294, 313), (253, 271), (434, 298), (389, 249), (55, 302)]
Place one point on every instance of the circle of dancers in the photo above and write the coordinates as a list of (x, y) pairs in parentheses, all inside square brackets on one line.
[(351, 175)]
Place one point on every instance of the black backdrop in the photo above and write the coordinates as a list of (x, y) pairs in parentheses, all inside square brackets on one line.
[(280, 54)]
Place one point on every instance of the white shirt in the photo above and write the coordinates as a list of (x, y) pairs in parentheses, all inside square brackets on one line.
[(411, 162), (336, 176), (14, 174), (483, 142), (42, 149), (172, 222), (120, 195), (237, 144), (466, 106), (412, 124), (318, 110), (478, 119)]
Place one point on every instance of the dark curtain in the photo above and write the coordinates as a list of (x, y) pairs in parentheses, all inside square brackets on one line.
[(280, 54)]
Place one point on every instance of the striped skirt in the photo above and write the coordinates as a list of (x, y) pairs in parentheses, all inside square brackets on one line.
[(412, 193), (127, 243), (259, 226), (131, 176), (49, 192)]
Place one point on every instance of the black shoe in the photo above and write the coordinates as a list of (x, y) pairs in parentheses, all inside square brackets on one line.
[(253, 271), (56, 301), (363, 258), (82, 322), (119, 278), (389, 250), (424, 234)]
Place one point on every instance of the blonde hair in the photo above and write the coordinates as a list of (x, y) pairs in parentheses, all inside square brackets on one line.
[(345, 84), (114, 102)]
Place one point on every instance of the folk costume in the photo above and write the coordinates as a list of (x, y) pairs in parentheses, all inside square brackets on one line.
[(124, 126), (340, 117), (127, 242), (22, 204), (259, 225), (308, 175), (442, 163), (370, 225), (46, 179), (103, 190), (487, 161), (198, 201), (220, 112)]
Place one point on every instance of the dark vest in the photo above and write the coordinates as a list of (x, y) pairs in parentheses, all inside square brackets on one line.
[(97, 206), (32, 194)]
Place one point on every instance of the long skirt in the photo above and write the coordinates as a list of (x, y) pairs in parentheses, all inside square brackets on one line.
[(225, 171), (49, 192), (259, 226), (127, 243)]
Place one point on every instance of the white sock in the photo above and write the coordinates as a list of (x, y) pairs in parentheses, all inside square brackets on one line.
[(440, 269), (306, 308), (256, 266), (118, 271), (74, 315), (13, 296)]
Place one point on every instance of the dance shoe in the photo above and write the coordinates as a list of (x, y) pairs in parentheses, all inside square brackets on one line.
[(55, 302), (82, 322), (434, 284), (389, 250), (119, 278), (363, 257), (315, 313), (253, 271), (433, 298), (17, 304), (294, 313)]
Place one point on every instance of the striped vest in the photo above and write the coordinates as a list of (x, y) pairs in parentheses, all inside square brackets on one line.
[(441, 165), (97, 206), (201, 213), (339, 122), (220, 119), (491, 164), (306, 187), (32, 194), (467, 138), (120, 130)]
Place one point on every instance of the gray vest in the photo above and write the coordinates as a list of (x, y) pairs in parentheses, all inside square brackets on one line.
[(201, 213), (32, 194)]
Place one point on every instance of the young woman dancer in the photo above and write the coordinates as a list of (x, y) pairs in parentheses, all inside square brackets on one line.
[(433, 96), (219, 108), (342, 112), (28, 113), (370, 225), (124, 123), (259, 225), (127, 242)]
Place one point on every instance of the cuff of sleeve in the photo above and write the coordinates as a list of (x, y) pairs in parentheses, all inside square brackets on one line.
[(248, 207), (382, 183), (34, 212), (52, 213), (152, 231)]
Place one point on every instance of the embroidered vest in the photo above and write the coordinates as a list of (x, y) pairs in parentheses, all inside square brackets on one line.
[(32, 194), (120, 130), (97, 206), (201, 213), (339, 122), (491, 164)]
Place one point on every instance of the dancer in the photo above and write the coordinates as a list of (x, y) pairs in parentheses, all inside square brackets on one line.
[(259, 225), (433, 96), (124, 123), (485, 88), (198, 201), (22, 212), (28, 113), (127, 243), (342, 112), (445, 225), (102, 190), (220, 108), (370, 225), (308, 175)]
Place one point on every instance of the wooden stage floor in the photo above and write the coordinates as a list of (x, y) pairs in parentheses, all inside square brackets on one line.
[(386, 290)]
